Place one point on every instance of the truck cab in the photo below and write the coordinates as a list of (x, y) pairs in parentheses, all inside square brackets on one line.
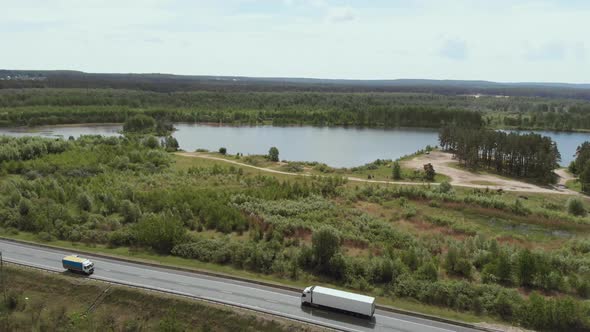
[(88, 267), (306, 295)]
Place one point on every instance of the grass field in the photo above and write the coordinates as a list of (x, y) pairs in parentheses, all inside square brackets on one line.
[(374, 171), (42, 301)]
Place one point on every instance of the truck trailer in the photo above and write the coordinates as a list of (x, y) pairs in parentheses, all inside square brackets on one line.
[(334, 299), (78, 264)]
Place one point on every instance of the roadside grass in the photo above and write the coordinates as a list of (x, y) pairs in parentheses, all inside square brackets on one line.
[(305, 279), (61, 301)]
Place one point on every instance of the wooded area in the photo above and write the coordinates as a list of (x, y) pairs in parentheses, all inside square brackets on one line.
[(61, 106), (36, 107), (529, 155)]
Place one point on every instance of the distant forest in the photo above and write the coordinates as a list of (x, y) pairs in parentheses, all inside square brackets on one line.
[(62, 97), (36, 107), (172, 83)]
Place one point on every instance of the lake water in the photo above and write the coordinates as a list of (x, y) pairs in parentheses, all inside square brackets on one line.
[(338, 147)]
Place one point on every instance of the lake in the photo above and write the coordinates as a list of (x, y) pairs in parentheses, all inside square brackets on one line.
[(335, 146)]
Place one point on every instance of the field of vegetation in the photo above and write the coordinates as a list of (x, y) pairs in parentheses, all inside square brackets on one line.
[(40, 301), (492, 255), (378, 170)]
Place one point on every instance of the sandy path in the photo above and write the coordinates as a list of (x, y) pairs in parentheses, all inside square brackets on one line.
[(564, 176), (350, 178), (441, 161), (437, 159)]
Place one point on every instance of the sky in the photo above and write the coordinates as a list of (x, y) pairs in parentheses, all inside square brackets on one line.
[(500, 40)]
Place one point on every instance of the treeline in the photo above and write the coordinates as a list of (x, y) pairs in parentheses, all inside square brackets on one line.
[(375, 110), (574, 117), (529, 156), (55, 106), (170, 83)]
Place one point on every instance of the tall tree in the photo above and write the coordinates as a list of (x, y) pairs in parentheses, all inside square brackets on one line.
[(396, 171), (273, 154), (325, 244)]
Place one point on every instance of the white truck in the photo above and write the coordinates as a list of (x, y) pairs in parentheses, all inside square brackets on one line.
[(329, 298)]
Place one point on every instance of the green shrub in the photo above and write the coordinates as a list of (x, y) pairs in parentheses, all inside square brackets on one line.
[(139, 123), (160, 232), (575, 207), (325, 244)]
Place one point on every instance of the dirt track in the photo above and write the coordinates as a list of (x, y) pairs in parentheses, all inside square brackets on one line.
[(442, 161), (439, 160), (564, 176)]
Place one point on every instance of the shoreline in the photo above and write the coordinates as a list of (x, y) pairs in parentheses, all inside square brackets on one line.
[(23, 128)]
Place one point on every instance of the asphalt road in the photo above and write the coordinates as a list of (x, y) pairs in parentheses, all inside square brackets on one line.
[(271, 300)]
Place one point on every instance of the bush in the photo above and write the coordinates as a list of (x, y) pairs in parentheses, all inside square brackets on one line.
[(273, 154), (84, 202), (13, 299), (160, 232), (45, 237), (427, 272), (575, 207), (325, 244), (170, 143), (151, 142), (445, 187), (294, 167), (396, 171), (223, 151), (139, 123)]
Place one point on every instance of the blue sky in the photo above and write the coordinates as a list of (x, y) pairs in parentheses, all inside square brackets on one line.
[(508, 41)]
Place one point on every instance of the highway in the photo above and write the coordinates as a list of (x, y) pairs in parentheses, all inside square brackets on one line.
[(248, 295)]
